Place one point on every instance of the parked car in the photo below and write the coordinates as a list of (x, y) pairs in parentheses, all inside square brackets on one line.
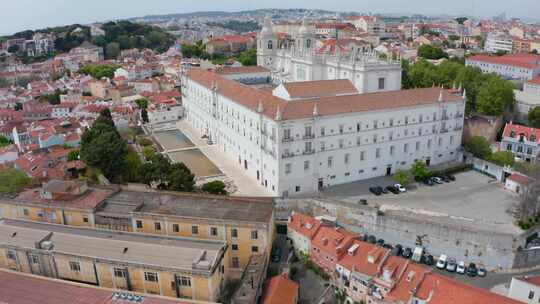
[(397, 250), (380, 242), (392, 189), (276, 255), (384, 190), (428, 259), (472, 271), (417, 255), (441, 262), (400, 188), (451, 177), (376, 190), (372, 239), (445, 178), (481, 271), (388, 246), (451, 265), (437, 180), (428, 182), (461, 267), (407, 253), (362, 201)]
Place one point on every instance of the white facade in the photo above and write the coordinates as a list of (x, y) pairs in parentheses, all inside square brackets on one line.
[(301, 61), (506, 70), (300, 242), (165, 114), (495, 43), (295, 156), (524, 291)]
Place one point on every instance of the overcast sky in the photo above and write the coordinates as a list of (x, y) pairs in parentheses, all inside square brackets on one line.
[(17, 15)]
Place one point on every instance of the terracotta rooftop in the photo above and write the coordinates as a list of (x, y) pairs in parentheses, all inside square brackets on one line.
[(519, 178), (529, 61), (281, 290), (515, 130), (242, 70), (366, 258), (321, 88), (333, 240), (88, 200), (250, 97), (304, 224)]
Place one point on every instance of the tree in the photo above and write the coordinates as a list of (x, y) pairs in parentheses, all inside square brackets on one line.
[(534, 117), (13, 180), (99, 71), (133, 166), (144, 116), (4, 141), (479, 147), (156, 171), (502, 158), (248, 57), (142, 103), (73, 155), (403, 177), (180, 178), (102, 147), (495, 96), (419, 171), (149, 152), (112, 50), (215, 187), (430, 52)]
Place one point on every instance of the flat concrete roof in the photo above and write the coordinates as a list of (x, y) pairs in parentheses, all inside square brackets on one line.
[(159, 251), (199, 206)]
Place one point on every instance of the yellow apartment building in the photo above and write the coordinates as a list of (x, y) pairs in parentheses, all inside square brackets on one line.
[(162, 265)]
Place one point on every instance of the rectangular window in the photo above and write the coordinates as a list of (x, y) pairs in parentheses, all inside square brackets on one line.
[(254, 234), (234, 247), (287, 134), (341, 129), (150, 276), (381, 83), (297, 189), (25, 212), (323, 146), (429, 143), (509, 147), (341, 143), (157, 225), (323, 131), (406, 148), (330, 160), (391, 123), (417, 146), (358, 141), (184, 281), (375, 124), (288, 168), (374, 138), (213, 231), (12, 255), (358, 127), (34, 259), (440, 142), (392, 148), (120, 273), (378, 153), (421, 118), (75, 266), (531, 294), (347, 156), (139, 224), (176, 228), (234, 232), (406, 120), (362, 155), (235, 262), (194, 229), (308, 131), (254, 249), (85, 219), (452, 139), (306, 165)]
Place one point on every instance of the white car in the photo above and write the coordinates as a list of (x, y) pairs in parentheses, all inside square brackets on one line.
[(461, 267), (437, 180), (400, 188), (441, 262)]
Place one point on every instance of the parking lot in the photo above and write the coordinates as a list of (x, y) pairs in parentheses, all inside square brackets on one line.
[(471, 197)]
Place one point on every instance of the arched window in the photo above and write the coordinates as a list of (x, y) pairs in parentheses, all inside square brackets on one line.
[(270, 44), (308, 43)]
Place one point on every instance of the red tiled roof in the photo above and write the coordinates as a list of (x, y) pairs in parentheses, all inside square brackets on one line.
[(440, 289), (333, 240), (529, 61), (18, 288), (519, 178), (304, 224), (281, 290), (305, 89), (366, 259), (242, 70), (89, 200), (410, 279), (250, 98), (516, 130)]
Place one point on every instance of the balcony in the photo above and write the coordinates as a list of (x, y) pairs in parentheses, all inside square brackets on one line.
[(287, 155), (308, 136), (444, 130), (308, 152), (287, 139)]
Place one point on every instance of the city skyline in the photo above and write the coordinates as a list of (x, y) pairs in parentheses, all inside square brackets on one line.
[(26, 14)]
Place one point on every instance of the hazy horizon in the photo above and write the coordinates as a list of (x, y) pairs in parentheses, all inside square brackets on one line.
[(27, 14)]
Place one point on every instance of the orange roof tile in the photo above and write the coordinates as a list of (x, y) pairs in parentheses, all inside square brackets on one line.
[(366, 259), (304, 224), (320, 88), (529, 61), (281, 290), (333, 240)]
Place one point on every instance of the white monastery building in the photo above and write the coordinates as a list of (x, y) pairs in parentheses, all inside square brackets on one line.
[(302, 60), (302, 136)]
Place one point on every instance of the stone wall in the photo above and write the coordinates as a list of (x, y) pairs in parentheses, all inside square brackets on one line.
[(440, 235)]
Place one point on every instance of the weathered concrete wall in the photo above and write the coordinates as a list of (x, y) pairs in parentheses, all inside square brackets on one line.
[(439, 235)]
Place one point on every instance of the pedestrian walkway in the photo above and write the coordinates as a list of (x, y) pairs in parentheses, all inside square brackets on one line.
[(246, 185)]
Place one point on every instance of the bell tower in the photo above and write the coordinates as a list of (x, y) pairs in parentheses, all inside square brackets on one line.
[(267, 44)]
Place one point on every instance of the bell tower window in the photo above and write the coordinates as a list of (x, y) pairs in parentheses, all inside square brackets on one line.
[(270, 44)]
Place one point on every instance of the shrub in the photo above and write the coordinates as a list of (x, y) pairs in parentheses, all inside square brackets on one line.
[(145, 142), (215, 187), (149, 152), (293, 272), (479, 147)]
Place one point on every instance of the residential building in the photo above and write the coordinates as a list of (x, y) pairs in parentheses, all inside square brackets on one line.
[(281, 290), (245, 224), (300, 59), (517, 183), (522, 141), (301, 230), (22, 288), (527, 99), (302, 137), (513, 66), (8, 154), (525, 289), (370, 24), (329, 245), (230, 45), (496, 42), (168, 266)]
